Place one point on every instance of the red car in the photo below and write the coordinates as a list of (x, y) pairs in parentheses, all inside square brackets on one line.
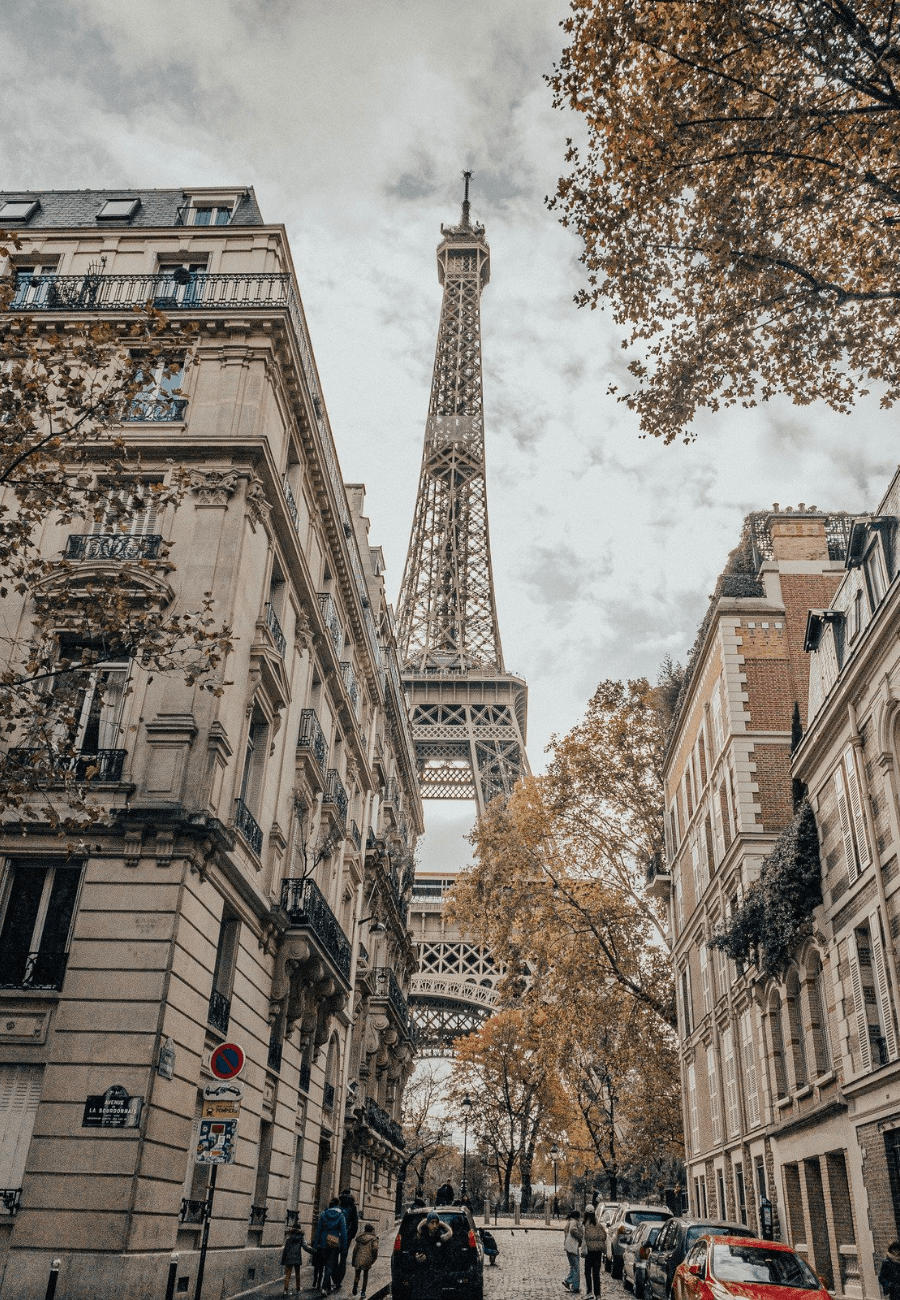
[(750, 1268)]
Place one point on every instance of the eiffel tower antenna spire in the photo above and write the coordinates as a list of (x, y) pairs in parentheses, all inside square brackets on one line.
[(468, 713)]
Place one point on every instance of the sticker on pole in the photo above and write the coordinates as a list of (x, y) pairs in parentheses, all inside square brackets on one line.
[(215, 1142), (227, 1061)]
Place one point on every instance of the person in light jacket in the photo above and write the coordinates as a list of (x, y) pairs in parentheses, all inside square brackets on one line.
[(572, 1240), (365, 1253)]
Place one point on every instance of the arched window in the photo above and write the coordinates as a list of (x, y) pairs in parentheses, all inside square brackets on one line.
[(818, 1024), (776, 1037), (797, 1041)]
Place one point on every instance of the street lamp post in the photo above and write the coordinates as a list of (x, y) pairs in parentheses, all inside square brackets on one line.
[(554, 1156), (466, 1107)]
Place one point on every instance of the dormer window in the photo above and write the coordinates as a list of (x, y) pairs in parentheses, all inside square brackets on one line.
[(205, 212), (18, 210), (118, 209), (211, 216)]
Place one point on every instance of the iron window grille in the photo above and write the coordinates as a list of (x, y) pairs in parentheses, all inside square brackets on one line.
[(113, 546), (11, 1200), (249, 827), (258, 1216), (192, 1212), (312, 737), (274, 629), (219, 1013), (335, 795), (305, 905)]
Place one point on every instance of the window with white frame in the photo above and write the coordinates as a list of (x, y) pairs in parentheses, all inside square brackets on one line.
[(715, 1110), (20, 1094), (693, 1109), (748, 1067), (33, 284), (873, 1005), (179, 284), (130, 509), (159, 397), (851, 816), (703, 956), (729, 1069), (38, 901)]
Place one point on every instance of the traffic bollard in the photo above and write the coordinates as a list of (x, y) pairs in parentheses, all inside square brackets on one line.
[(170, 1281), (517, 1212), (52, 1279)]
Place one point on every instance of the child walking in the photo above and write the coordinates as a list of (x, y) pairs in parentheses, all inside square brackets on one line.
[(365, 1253)]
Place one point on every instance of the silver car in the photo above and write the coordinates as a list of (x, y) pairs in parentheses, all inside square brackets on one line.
[(626, 1218), (635, 1251)]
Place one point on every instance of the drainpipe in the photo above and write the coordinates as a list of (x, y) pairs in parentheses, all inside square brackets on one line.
[(856, 742)]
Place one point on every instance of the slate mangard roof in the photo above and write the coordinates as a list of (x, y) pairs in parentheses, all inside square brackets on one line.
[(63, 209)]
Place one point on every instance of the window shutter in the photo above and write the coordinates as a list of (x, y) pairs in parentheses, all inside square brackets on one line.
[(704, 977), (862, 1020), (844, 817), (883, 988), (695, 866), (715, 1113), (732, 1110), (748, 1054), (716, 719), (856, 808), (692, 1107), (20, 1092)]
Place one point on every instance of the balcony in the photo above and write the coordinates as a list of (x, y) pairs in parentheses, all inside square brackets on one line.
[(379, 1120), (103, 765), (10, 1200), (388, 990), (306, 908), (312, 744), (273, 627), (219, 1013), (334, 798), (113, 546), (351, 685), (247, 824), (658, 880), (332, 620), (355, 837), (158, 410), (33, 970), (192, 1213), (291, 503)]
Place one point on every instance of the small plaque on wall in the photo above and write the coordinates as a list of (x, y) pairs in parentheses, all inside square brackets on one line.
[(112, 1109)]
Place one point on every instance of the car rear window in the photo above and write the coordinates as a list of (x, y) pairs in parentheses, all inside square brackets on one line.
[(645, 1216), (762, 1264), (410, 1224)]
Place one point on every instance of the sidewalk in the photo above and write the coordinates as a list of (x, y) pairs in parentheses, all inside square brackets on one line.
[(379, 1276)]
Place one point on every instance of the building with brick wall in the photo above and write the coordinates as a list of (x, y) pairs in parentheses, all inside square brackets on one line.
[(253, 880), (728, 795)]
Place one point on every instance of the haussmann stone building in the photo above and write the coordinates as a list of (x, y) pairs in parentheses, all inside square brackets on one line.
[(253, 881)]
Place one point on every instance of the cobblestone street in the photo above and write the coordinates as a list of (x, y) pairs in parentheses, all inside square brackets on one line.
[(531, 1266)]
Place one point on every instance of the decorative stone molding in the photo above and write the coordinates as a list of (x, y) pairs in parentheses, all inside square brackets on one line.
[(213, 487), (257, 505), (303, 633)]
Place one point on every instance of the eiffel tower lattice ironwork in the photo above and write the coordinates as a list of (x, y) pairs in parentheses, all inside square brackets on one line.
[(468, 713)]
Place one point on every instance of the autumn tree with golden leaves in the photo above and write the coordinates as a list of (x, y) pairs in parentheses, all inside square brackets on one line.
[(738, 195)]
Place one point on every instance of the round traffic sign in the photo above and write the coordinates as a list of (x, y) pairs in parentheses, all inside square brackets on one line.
[(227, 1061)]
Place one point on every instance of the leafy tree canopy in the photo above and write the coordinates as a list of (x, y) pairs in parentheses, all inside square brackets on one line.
[(738, 196)]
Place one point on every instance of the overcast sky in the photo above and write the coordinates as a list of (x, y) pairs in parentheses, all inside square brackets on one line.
[(353, 120)]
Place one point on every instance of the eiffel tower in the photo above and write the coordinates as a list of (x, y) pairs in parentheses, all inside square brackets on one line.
[(468, 713)]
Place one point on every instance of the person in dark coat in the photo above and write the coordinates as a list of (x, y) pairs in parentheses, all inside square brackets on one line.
[(444, 1194), (351, 1218), (889, 1273), (331, 1236), (292, 1255), (432, 1239)]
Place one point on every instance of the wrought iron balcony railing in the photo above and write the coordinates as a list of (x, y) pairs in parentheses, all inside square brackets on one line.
[(258, 1216), (33, 970), (219, 1013), (328, 1096), (335, 795), (101, 765), (381, 1122), (291, 503), (332, 620), (192, 1212), (312, 737), (247, 824), (386, 987), (352, 685), (356, 837), (157, 409), (305, 905), (274, 629), (113, 546), (10, 1199)]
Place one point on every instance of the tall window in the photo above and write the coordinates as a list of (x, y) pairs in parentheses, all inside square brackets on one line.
[(748, 1065), (33, 284), (254, 762), (715, 1108), (776, 1034), (223, 972), (687, 1018), (38, 907), (821, 1049), (693, 1108), (729, 1069), (874, 1014), (157, 399), (851, 816), (91, 702), (795, 1025), (20, 1092), (703, 954), (178, 284)]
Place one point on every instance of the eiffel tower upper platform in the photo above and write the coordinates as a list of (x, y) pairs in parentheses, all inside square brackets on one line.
[(468, 713)]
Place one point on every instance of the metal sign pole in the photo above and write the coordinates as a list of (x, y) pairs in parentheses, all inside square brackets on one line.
[(198, 1290)]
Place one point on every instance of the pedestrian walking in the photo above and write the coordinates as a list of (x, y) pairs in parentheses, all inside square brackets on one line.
[(574, 1236), (594, 1239), (351, 1218), (292, 1255), (444, 1194), (365, 1253), (331, 1237), (889, 1273)]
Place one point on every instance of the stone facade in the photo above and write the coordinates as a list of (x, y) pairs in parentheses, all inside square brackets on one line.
[(254, 880)]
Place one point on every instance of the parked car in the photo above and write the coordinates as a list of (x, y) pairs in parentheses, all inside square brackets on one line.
[(717, 1266), (636, 1248), (626, 1217), (674, 1242), (461, 1268)]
